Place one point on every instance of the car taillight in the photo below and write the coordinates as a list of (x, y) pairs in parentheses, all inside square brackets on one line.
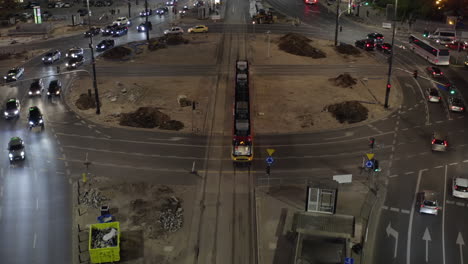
[(461, 108), (455, 187), (433, 141), (422, 205), (445, 142), (367, 45), (433, 72)]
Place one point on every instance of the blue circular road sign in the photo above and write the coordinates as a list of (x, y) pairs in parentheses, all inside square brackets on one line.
[(369, 164), (269, 160)]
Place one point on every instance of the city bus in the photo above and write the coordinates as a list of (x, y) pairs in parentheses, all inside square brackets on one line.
[(432, 52)]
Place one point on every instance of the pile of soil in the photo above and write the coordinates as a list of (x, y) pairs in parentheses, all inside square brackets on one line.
[(155, 44), (298, 44), (117, 53), (85, 102), (149, 117), (145, 117), (347, 49), (350, 111), (175, 40), (343, 80)]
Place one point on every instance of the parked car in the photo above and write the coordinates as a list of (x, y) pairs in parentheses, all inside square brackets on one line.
[(173, 31), (51, 57), (384, 47), (105, 45), (74, 62), (59, 4), (14, 74), (457, 45), (365, 44), (198, 29), (93, 31), (36, 88), (121, 21), (145, 26), (120, 31)]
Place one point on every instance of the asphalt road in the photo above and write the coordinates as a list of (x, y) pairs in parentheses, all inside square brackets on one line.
[(35, 207)]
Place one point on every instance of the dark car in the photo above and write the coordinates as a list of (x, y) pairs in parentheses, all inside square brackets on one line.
[(12, 108), (82, 12), (14, 74), (35, 117), (435, 72), (55, 88), (16, 149), (377, 37), (145, 26), (119, 31), (74, 63), (145, 13), (384, 47), (51, 57), (36, 87), (107, 31), (99, 4), (31, 5), (93, 31), (365, 44), (105, 44), (456, 104), (51, 5), (162, 10)]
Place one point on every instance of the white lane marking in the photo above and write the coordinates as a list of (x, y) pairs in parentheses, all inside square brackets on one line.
[(385, 207), (393, 176), (68, 172), (410, 225), (35, 175), (405, 211), (60, 172), (1, 191), (460, 117), (443, 215), (34, 240), (455, 163), (450, 202), (1, 173), (37, 204), (438, 122), (97, 131), (0, 213), (465, 161), (460, 204), (409, 172), (404, 129), (394, 209), (69, 180), (438, 167)]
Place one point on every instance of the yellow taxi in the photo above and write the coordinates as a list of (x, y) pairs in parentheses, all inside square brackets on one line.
[(198, 29)]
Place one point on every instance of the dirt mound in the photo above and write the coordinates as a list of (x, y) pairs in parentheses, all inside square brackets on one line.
[(117, 53), (350, 111), (343, 80), (176, 40), (172, 125), (85, 102), (347, 49), (145, 117), (155, 44), (299, 45)]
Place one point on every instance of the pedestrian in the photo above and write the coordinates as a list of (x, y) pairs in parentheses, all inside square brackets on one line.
[(367, 13)]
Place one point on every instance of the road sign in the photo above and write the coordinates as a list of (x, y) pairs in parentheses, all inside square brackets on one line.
[(370, 156), (269, 160), (369, 164), (348, 261), (270, 152)]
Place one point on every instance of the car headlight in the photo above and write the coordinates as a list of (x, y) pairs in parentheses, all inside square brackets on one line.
[(48, 93), (38, 92), (49, 58), (43, 58), (57, 92), (4, 77), (74, 64), (16, 112), (14, 77), (30, 92), (6, 113), (22, 153), (128, 22), (40, 121), (66, 64), (31, 122), (10, 155)]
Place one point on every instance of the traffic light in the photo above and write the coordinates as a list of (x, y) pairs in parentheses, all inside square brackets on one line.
[(452, 91), (415, 74), (426, 33), (371, 142), (389, 86), (366, 3), (376, 166)]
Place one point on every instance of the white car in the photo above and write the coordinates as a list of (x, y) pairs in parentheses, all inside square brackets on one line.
[(460, 188), (59, 4), (173, 31), (121, 21)]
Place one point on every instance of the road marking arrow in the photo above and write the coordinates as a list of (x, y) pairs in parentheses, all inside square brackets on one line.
[(427, 237), (392, 232), (460, 243)]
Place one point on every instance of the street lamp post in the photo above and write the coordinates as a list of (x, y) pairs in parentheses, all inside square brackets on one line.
[(336, 24), (390, 63), (93, 62), (146, 21)]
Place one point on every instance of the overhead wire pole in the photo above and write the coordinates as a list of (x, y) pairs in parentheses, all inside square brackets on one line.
[(390, 64), (337, 18), (93, 61), (146, 21)]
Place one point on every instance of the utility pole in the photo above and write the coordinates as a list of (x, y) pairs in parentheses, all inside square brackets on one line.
[(93, 62), (146, 21), (390, 64), (129, 9), (337, 17)]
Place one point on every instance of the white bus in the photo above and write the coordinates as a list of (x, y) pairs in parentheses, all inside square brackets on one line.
[(432, 52)]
